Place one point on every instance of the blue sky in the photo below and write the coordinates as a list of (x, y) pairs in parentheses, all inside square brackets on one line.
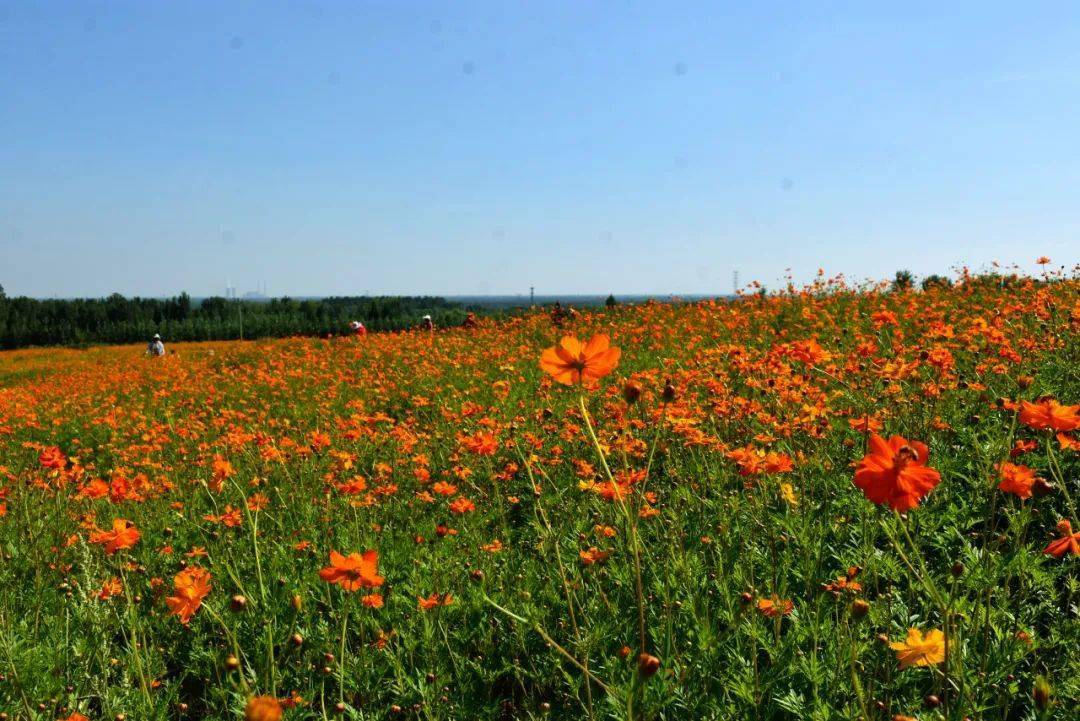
[(462, 148)]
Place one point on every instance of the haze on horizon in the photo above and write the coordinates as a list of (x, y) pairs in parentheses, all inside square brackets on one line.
[(320, 148)]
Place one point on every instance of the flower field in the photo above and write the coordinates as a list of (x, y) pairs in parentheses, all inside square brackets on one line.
[(831, 503)]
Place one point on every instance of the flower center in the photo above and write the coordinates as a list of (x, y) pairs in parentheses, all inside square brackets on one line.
[(905, 455)]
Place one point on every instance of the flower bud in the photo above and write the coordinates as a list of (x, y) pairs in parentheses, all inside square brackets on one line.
[(669, 392), (648, 665), (1042, 693)]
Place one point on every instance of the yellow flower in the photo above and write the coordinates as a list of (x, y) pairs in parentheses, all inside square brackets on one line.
[(787, 492), (920, 650)]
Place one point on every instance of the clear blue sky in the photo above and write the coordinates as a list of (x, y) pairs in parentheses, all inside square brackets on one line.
[(407, 147)]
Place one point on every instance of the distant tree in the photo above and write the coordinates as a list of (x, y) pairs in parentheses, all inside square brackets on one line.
[(116, 319), (611, 302), (903, 280), (936, 281), (2, 295), (183, 306)]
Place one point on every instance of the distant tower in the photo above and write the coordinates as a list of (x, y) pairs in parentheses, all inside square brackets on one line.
[(532, 295), (735, 283)]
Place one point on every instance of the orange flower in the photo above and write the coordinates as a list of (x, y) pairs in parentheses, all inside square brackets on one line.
[(482, 444), (263, 708), (110, 588), (593, 555), (920, 650), (1068, 542), (775, 606), (777, 463), (76, 716), (883, 318), (191, 586), (571, 362), (231, 518), (866, 424), (372, 600), (426, 604), (52, 458), (1016, 479), (354, 571), (1049, 413), (895, 472), (461, 506), (123, 535)]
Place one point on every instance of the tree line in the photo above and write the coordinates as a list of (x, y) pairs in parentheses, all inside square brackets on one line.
[(118, 319)]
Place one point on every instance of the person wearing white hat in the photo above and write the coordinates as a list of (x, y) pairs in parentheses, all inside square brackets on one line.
[(357, 327), (155, 348), (428, 323)]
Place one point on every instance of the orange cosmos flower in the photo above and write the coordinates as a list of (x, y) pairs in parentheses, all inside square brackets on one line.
[(354, 571), (426, 604), (52, 458), (1049, 413), (866, 424), (481, 443), (191, 586), (593, 555), (920, 650), (895, 472), (231, 518), (777, 462), (110, 588), (1021, 447), (775, 606), (263, 708), (572, 362), (1016, 479), (1068, 543), (461, 506), (372, 600), (123, 535), (883, 318)]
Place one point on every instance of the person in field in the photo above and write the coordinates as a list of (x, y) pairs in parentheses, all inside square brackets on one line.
[(426, 323), (155, 348), (470, 320), (357, 328)]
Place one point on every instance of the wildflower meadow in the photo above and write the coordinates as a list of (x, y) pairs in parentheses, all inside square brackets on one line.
[(831, 502)]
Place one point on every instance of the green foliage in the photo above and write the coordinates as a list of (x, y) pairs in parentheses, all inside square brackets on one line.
[(903, 280), (936, 281)]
